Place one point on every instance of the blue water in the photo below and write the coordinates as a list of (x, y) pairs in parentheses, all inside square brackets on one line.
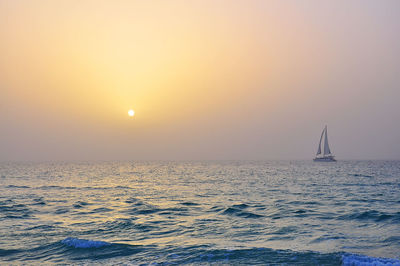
[(291, 213)]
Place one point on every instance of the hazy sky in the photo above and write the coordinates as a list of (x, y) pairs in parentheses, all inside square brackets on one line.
[(207, 79)]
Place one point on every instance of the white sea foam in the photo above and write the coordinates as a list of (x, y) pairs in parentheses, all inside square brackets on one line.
[(361, 260), (83, 243)]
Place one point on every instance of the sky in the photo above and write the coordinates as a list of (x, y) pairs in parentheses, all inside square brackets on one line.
[(208, 80)]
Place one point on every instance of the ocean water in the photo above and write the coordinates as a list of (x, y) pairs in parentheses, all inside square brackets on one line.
[(201, 213)]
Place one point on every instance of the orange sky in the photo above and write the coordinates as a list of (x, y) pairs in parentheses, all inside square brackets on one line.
[(207, 79)]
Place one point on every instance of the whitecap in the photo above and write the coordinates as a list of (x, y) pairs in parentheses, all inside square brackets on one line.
[(361, 260)]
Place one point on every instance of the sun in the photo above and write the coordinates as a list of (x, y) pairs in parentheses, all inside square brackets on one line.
[(131, 113)]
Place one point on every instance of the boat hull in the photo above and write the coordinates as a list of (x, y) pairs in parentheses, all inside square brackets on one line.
[(325, 159)]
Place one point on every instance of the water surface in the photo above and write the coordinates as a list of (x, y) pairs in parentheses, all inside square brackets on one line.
[(237, 212)]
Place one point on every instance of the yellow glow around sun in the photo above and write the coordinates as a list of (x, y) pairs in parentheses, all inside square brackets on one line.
[(131, 113)]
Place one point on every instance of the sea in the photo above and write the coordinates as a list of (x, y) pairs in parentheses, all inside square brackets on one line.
[(200, 213)]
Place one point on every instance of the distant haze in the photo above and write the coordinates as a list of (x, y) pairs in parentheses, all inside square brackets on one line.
[(206, 79)]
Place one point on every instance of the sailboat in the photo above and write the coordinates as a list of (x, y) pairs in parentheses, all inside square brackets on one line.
[(326, 155)]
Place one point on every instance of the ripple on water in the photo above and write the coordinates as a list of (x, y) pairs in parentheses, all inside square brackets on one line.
[(373, 215), (80, 204), (188, 203), (15, 211), (240, 213)]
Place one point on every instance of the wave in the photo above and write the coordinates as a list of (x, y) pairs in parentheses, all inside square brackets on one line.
[(122, 187), (71, 187), (241, 206), (15, 186), (374, 215), (55, 187), (46, 228), (138, 207), (15, 211), (361, 175), (355, 260), (240, 213), (188, 203), (83, 243), (80, 204), (126, 225), (39, 201), (73, 250)]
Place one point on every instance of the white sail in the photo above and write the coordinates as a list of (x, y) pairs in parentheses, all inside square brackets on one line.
[(327, 151), (320, 141), (326, 155)]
